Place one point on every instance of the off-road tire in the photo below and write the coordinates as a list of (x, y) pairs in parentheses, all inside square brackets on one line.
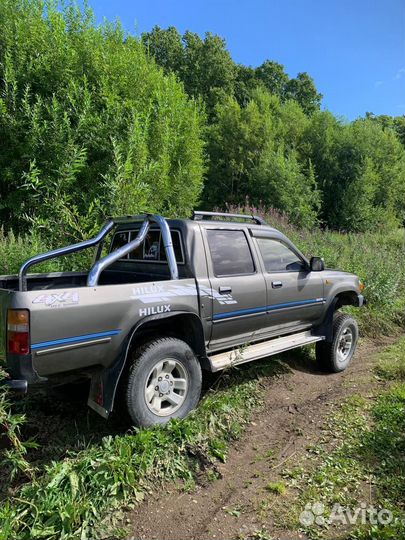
[(329, 356), (143, 364)]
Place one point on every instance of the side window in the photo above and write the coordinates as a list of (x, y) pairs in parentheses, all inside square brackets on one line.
[(176, 247), (277, 257), (230, 252)]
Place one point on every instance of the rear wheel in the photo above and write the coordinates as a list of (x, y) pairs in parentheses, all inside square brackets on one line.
[(163, 382), (337, 355)]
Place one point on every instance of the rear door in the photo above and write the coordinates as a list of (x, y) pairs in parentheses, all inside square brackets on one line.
[(295, 295), (237, 284)]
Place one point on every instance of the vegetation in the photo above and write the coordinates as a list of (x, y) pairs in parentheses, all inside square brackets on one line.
[(66, 497), (267, 139), (95, 122), (362, 444), (89, 125)]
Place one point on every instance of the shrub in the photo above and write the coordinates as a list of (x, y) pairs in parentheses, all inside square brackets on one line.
[(90, 125)]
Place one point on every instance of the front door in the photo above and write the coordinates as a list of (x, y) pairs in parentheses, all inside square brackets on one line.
[(238, 287), (295, 295)]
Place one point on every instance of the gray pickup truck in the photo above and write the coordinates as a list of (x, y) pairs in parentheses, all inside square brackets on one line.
[(169, 299)]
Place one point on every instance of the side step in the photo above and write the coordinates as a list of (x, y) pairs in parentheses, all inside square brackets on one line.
[(261, 350)]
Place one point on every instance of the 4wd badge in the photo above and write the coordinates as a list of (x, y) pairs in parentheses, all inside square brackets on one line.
[(67, 298)]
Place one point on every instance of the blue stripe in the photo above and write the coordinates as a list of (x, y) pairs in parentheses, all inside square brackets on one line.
[(263, 309), (75, 339)]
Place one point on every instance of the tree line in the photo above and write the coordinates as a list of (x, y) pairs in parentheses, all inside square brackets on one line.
[(267, 139), (94, 122)]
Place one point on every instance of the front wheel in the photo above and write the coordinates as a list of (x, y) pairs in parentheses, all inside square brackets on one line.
[(163, 382), (337, 355)]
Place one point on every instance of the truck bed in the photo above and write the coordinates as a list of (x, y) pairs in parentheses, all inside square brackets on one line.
[(64, 280)]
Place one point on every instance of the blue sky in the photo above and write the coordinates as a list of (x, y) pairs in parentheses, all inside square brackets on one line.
[(354, 49)]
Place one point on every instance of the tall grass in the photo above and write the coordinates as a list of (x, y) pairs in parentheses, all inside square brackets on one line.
[(16, 249)]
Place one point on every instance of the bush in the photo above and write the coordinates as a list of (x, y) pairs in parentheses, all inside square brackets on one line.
[(90, 125)]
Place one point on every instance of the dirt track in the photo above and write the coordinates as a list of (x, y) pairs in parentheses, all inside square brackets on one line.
[(295, 407)]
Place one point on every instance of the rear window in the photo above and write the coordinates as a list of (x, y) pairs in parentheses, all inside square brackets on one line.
[(151, 249), (230, 252)]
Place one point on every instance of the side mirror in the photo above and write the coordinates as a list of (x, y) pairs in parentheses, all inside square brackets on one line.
[(317, 264)]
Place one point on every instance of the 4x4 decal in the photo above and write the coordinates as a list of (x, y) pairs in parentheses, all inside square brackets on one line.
[(62, 299)]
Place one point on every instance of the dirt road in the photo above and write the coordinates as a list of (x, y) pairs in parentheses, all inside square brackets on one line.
[(230, 507)]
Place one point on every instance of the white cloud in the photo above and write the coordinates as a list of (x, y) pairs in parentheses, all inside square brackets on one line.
[(400, 73), (378, 83)]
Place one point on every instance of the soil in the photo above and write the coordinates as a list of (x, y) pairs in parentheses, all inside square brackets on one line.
[(230, 507)]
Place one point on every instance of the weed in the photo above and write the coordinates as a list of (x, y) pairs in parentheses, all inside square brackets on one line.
[(236, 512), (360, 457), (391, 365), (71, 496), (279, 488)]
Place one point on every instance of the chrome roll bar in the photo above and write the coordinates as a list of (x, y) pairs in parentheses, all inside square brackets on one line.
[(105, 262), (101, 264), (22, 275)]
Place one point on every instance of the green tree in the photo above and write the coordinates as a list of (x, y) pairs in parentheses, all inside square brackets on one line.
[(303, 90), (360, 171), (273, 77), (166, 47), (204, 65), (395, 123), (89, 124), (245, 83), (254, 154)]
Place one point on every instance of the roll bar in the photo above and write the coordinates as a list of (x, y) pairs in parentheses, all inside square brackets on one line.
[(105, 262), (102, 264)]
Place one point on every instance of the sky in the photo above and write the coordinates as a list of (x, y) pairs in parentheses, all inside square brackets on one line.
[(353, 49)]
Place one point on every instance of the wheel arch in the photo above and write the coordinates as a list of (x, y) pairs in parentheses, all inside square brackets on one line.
[(181, 324), (346, 297)]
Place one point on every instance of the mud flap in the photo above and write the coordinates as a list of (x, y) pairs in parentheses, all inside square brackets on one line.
[(325, 329), (103, 386)]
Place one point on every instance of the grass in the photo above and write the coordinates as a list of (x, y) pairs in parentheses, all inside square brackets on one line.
[(279, 488), (359, 460), (391, 365), (70, 496)]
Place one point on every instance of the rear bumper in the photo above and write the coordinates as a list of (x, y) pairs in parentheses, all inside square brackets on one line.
[(22, 373)]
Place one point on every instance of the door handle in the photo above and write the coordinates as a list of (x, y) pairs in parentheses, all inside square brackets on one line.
[(225, 289), (276, 284)]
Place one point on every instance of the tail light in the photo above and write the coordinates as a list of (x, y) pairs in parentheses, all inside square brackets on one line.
[(18, 331)]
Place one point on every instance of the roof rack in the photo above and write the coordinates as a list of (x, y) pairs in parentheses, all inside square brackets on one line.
[(199, 214)]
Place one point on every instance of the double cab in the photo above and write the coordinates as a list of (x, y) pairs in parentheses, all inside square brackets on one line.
[(166, 299)]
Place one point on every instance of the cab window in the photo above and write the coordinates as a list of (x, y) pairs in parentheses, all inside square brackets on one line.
[(277, 257), (151, 249), (230, 252)]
